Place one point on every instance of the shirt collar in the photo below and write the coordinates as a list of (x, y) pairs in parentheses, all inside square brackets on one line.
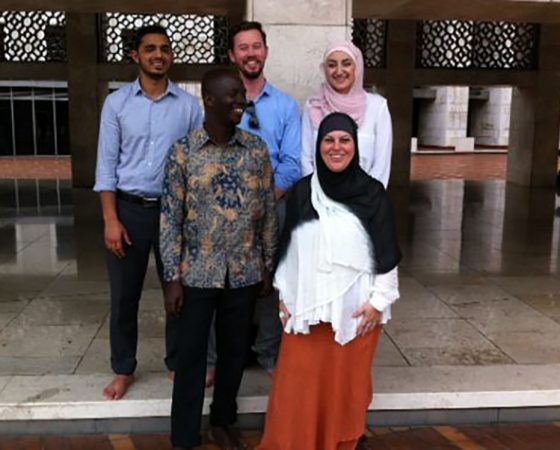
[(266, 91), (172, 88), (200, 138)]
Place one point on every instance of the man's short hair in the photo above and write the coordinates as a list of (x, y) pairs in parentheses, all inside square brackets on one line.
[(246, 25), (148, 29), (210, 77)]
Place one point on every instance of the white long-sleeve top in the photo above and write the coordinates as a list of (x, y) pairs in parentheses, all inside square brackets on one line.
[(375, 140), (327, 275)]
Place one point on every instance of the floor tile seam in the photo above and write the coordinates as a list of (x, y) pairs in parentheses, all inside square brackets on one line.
[(13, 319), (494, 344), (17, 315), (543, 316), (486, 283), (83, 355), (11, 378), (70, 297), (484, 337), (518, 297), (55, 277), (397, 347)]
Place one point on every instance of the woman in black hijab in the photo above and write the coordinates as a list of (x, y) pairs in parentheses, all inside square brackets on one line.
[(337, 277)]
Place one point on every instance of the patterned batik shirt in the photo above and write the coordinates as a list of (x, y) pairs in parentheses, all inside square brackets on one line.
[(218, 211)]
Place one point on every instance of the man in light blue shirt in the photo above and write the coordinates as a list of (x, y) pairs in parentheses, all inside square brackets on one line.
[(274, 116), (139, 123)]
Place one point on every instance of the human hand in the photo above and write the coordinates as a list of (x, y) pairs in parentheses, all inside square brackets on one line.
[(266, 285), (278, 193), (371, 317), (173, 297), (284, 314), (115, 237)]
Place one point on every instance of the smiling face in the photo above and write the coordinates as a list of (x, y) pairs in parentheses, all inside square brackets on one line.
[(226, 99), (249, 53), (337, 150), (340, 71), (154, 55)]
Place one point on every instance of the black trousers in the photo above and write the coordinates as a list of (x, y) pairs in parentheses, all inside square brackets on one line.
[(234, 312), (126, 278)]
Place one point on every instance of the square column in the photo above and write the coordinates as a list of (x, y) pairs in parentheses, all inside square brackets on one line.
[(85, 96), (535, 119), (443, 122), (297, 35), (399, 86)]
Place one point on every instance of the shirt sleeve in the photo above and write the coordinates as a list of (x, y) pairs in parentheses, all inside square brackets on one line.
[(172, 215), (385, 290), (269, 235), (108, 147), (307, 144), (288, 169), (383, 146)]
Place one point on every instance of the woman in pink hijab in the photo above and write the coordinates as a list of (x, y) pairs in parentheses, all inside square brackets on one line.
[(343, 91)]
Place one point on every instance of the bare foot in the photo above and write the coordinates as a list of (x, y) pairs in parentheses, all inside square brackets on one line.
[(210, 376), (171, 375), (117, 388)]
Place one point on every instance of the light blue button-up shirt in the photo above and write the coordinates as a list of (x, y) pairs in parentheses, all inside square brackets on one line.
[(135, 135), (280, 127)]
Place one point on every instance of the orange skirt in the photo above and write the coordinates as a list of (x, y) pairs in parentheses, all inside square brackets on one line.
[(320, 392)]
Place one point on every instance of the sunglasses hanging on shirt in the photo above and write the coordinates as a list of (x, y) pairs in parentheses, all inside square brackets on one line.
[(253, 119)]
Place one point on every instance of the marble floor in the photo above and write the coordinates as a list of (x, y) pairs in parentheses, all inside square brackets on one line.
[(479, 308)]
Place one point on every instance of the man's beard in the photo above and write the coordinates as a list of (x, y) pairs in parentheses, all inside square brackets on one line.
[(155, 76), (252, 75)]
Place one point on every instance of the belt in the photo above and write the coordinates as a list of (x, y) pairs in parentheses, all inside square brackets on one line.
[(147, 202)]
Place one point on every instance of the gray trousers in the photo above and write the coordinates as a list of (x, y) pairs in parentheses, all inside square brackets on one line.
[(269, 334)]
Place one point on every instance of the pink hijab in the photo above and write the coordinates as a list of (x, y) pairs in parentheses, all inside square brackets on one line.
[(327, 100)]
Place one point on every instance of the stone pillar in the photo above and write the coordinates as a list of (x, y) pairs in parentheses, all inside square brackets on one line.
[(443, 122), (489, 118), (401, 39), (298, 33), (535, 119), (528, 225), (85, 94)]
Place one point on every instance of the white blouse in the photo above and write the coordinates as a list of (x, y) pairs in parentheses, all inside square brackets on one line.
[(375, 140), (326, 274)]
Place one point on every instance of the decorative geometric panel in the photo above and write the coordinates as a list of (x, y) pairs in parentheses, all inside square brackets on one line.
[(369, 36), (195, 39), (502, 45), (33, 36), (459, 44)]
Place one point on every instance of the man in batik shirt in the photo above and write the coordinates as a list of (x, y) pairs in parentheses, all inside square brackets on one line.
[(218, 239)]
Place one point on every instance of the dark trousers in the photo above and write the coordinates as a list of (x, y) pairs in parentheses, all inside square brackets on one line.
[(269, 326), (126, 278), (234, 311)]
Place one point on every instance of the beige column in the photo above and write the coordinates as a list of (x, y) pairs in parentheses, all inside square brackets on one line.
[(443, 121), (401, 39), (535, 119), (298, 33)]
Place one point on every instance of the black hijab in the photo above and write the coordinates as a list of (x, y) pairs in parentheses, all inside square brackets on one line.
[(363, 195)]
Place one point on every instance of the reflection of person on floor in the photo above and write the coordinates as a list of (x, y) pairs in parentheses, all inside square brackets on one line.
[(218, 240), (343, 91), (273, 116), (337, 277), (139, 123)]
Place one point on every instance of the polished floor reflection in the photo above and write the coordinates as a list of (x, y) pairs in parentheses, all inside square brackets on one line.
[(480, 280)]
